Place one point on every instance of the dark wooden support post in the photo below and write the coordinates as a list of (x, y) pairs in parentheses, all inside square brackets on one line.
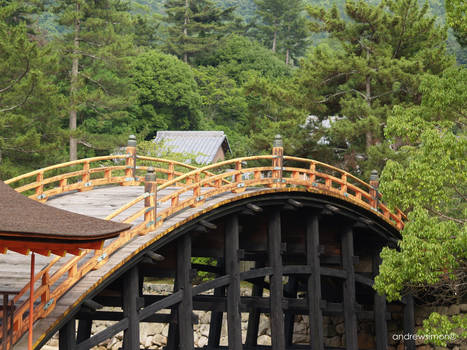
[(253, 317), (234, 321), (173, 337), (275, 261), (409, 322), (130, 309), (66, 336), (84, 330), (185, 307), (215, 326), (350, 316), (290, 291), (314, 283), (381, 329)]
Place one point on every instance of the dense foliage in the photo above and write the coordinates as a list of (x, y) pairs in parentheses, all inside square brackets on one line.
[(360, 84)]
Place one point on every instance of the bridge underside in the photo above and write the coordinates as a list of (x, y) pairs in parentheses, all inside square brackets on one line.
[(301, 254)]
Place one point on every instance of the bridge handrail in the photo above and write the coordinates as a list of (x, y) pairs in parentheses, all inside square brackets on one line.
[(275, 175)]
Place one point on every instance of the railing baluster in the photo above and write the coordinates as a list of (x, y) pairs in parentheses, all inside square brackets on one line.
[(150, 202), (171, 171), (344, 183), (46, 294), (312, 172), (40, 188), (85, 178)]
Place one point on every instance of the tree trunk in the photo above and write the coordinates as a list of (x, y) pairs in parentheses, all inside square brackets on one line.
[(274, 39), (185, 31), (73, 87), (287, 57), (368, 135)]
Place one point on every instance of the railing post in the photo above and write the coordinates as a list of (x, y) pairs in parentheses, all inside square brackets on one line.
[(130, 170), (150, 202), (40, 188), (86, 178), (277, 161), (374, 183)]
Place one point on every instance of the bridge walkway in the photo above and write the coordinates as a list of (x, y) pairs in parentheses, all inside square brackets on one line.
[(92, 279)]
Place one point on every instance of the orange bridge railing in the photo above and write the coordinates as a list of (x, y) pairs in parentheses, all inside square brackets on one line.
[(193, 186)]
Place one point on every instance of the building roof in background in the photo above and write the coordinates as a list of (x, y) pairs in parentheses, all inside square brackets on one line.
[(22, 218), (204, 145)]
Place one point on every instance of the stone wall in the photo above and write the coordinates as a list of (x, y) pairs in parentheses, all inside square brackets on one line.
[(154, 335)]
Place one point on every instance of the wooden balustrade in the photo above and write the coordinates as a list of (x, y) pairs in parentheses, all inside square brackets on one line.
[(198, 184)]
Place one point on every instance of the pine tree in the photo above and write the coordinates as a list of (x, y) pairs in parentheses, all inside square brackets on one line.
[(282, 24), (195, 26), (376, 62), (97, 49), (30, 135)]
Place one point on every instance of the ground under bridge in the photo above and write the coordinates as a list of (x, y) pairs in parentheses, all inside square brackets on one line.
[(306, 237)]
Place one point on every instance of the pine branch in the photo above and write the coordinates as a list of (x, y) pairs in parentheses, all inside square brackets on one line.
[(21, 76)]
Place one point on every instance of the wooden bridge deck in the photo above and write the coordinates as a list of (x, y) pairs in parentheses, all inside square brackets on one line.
[(99, 203)]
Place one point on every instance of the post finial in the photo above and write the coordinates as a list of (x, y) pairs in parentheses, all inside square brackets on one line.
[(278, 141), (374, 179), (150, 175), (131, 141)]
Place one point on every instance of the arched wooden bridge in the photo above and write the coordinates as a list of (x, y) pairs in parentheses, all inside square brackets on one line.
[(294, 220)]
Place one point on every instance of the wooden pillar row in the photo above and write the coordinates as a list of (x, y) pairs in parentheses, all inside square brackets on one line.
[(350, 316), (231, 246), (276, 289), (314, 283)]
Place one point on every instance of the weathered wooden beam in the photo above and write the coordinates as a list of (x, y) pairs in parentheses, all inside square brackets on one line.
[(212, 284), (130, 291), (275, 261), (314, 283), (208, 224), (66, 336), (164, 303), (105, 334), (409, 322), (350, 316), (92, 305), (254, 208), (185, 307), (231, 247)]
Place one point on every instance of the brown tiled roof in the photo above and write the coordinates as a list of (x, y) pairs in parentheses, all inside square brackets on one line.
[(24, 218)]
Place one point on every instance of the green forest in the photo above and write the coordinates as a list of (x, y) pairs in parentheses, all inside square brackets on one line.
[(361, 85)]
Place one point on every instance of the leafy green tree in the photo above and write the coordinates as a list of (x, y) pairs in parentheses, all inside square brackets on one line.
[(373, 62), (195, 26), (30, 135), (428, 178), (238, 57), (97, 49), (168, 96), (456, 11)]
